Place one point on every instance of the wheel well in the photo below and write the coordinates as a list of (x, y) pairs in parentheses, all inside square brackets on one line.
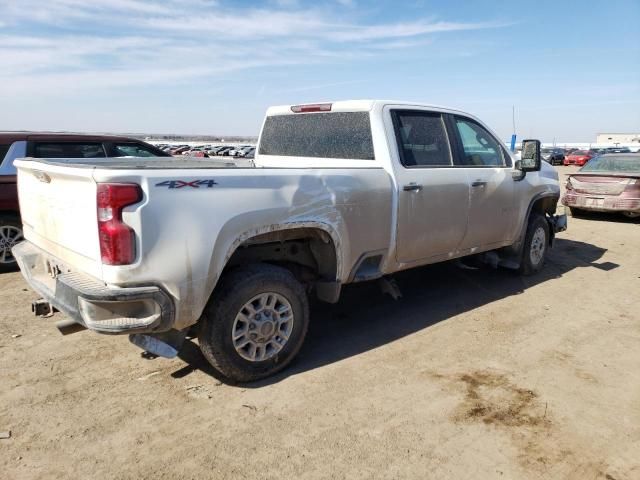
[(308, 252), (545, 205)]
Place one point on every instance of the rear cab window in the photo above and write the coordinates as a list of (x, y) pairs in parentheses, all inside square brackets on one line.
[(343, 135)]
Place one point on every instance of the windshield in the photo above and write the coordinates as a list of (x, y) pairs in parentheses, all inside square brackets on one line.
[(579, 152), (613, 163)]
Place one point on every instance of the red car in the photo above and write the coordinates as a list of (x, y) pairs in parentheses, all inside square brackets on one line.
[(579, 157), (608, 183)]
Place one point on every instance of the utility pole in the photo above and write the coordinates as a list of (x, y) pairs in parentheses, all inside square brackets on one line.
[(513, 135)]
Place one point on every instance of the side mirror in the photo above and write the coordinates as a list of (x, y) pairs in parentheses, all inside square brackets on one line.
[(531, 157)]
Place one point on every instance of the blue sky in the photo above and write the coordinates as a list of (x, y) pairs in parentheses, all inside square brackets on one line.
[(212, 67)]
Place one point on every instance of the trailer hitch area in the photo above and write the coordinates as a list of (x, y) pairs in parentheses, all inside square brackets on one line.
[(42, 308), (165, 344)]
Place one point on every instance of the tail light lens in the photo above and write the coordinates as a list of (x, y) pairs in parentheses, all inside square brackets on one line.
[(117, 240), (569, 185)]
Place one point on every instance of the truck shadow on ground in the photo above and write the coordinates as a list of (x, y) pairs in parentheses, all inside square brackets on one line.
[(608, 217), (365, 318)]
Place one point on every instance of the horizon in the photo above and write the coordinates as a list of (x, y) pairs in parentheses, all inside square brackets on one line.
[(202, 66)]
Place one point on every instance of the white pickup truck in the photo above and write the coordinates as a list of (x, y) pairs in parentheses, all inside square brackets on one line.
[(338, 193)]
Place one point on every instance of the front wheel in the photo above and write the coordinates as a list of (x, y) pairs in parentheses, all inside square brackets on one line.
[(536, 243), (255, 322)]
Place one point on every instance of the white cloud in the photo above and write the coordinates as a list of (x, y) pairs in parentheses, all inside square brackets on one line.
[(118, 43)]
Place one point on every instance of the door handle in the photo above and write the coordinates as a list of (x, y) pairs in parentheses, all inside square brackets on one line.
[(412, 187), (478, 183)]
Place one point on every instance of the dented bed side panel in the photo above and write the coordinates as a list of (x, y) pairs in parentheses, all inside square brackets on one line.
[(186, 235)]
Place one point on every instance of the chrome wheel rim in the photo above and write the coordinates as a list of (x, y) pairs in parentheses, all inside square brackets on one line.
[(9, 236), (262, 327), (538, 245)]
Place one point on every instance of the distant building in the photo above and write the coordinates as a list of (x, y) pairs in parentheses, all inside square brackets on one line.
[(618, 138)]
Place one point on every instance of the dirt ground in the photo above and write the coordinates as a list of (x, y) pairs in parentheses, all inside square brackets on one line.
[(474, 374)]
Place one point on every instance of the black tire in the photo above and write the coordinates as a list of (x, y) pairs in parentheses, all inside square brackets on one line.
[(235, 290), (9, 224), (576, 212), (531, 262)]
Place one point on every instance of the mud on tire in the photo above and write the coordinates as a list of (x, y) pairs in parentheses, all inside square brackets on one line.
[(251, 306)]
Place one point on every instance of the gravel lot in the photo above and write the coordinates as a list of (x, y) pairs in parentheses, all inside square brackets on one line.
[(473, 374)]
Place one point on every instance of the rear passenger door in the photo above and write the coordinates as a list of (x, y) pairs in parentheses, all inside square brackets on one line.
[(488, 168), (433, 195)]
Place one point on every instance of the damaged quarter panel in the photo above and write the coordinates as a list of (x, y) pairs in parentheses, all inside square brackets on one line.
[(190, 233)]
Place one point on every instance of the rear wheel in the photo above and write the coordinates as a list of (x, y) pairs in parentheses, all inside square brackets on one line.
[(255, 322), (535, 245), (631, 214), (10, 235)]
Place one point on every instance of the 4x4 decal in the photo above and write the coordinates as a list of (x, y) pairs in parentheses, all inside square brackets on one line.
[(182, 183)]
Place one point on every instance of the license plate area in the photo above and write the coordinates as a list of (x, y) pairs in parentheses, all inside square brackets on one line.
[(594, 202)]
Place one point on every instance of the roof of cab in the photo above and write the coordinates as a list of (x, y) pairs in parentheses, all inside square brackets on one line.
[(357, 106)]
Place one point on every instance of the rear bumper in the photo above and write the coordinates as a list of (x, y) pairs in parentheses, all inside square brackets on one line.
[(601, 203), (91, 303)]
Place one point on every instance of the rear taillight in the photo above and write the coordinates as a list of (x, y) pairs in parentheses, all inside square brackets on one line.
[(117, 240)]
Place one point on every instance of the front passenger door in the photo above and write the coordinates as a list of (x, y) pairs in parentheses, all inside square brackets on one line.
[(488, 168)]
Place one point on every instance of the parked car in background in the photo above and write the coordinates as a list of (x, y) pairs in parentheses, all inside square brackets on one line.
[(197, 151), (50, 145), (579, 157), (614, 150), (212, 151), (608, 183), (179, 149), (240, 151), (553, 155), (224, 151)]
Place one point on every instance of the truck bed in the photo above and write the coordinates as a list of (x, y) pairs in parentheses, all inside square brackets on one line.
[(149, 163)]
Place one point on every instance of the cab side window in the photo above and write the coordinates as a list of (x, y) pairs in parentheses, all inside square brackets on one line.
[(3, 152), (479, 146), (132, 150), (68, 150), (422, 139)]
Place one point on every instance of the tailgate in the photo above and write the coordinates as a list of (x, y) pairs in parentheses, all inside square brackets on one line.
[(58, 210)]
